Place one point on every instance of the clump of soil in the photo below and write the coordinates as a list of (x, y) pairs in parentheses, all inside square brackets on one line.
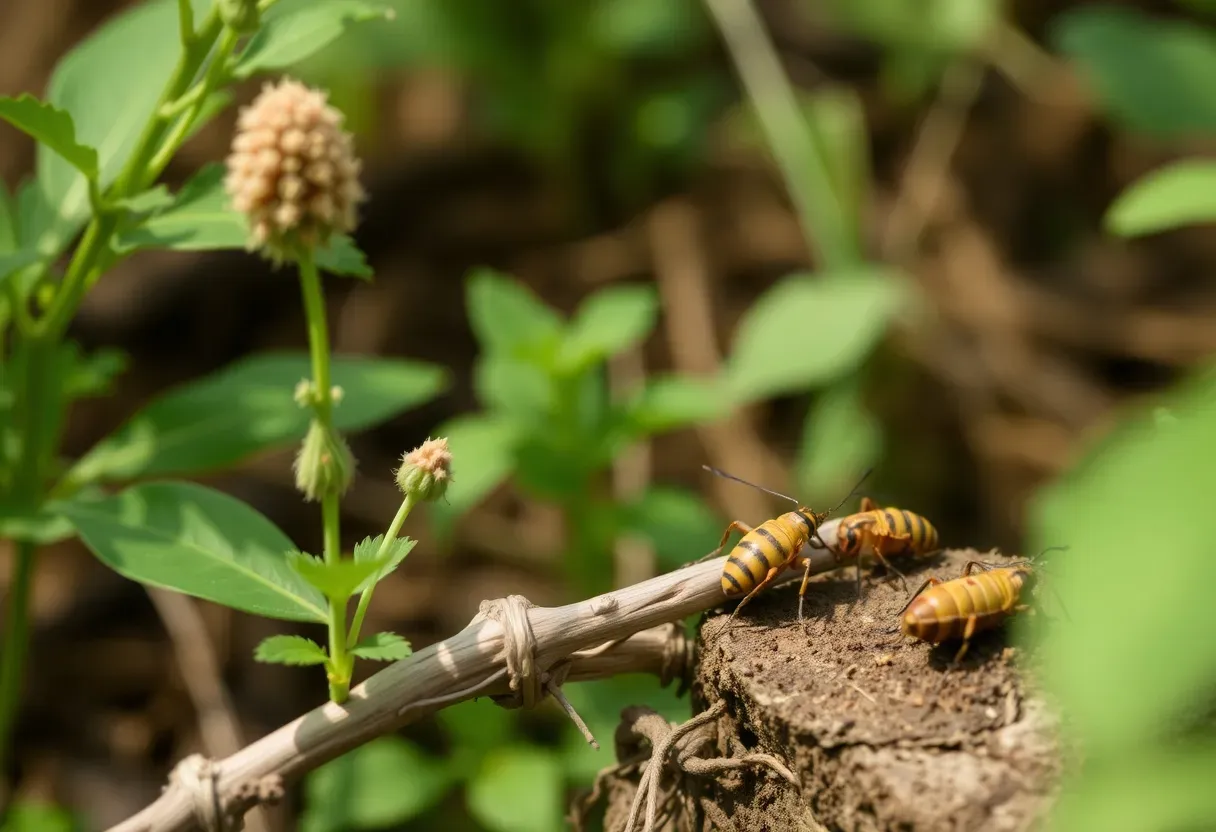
[(856, 711)]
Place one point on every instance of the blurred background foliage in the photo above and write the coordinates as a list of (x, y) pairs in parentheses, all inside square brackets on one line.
[(951, 250)]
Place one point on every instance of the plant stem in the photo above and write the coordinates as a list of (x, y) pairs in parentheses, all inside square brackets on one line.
[(16, 637), (318, 348), (781, 118), (365, 599)]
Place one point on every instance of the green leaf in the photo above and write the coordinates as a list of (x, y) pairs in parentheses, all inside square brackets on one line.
[(369, 550), (384, 783), (805, 332), (337, 580), (483, 455), (198, 541), (52, 128), (294, 650), (840, 439), (1149, 481), (14, 261), (35, 816), (641, 28), (518, 789), (506, 317), (678, 523), (341, 256), (150, 201), (248, 407), (1167, 90), (109, 110), (511, 386), (609, 322), (93, 375), (382, 647), (478, 725), (1179, 194), (672, 401), (292, 30)]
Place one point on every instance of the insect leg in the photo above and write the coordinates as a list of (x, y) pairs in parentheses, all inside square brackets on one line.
[(968, 632), (768, 579), (738, 526), (930, 581), (806, 576)]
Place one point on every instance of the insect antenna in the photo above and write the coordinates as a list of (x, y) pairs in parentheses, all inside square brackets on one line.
[(854, 491), (725, 475), (1055, 592)]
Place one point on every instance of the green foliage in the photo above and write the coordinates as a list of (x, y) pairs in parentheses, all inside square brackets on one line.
[(383, 647), (1134, 684), (803, 332), (839, 440), (337, 579), (369, 550), (385, 782), (1178, 194), (32, 816), (1166, 92), (51, 127), (248, 407), (293, 30), (295, 650), (198, 541), (518, 788)]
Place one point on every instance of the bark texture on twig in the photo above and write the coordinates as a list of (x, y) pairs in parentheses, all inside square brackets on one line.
[(855, 711), (474, 662)]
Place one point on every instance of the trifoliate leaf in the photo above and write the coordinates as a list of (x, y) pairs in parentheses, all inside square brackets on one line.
[(338, 580)]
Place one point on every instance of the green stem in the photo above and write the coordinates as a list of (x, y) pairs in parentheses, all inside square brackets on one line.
[(16, 642), (318, 335), (339, 672), (366, 598)]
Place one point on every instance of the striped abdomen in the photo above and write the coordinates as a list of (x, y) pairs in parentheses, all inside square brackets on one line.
[(771, 545), (940, 613), (886, 526)]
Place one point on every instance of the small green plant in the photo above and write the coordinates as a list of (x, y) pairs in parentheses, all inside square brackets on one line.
[(118, 108)]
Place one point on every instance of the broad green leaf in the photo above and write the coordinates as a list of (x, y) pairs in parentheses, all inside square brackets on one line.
[(642, 28), (34, 816), (840, 439), (150, 201), (670, 402), (337, 580), (109, 109), (382, 647), (510, 386), (483, 455), (201, 219), (248, 407), (198, 541), (1166, 91), (609, 322), (42, 527), (94, 374), (677, 522), (1148, 481), (369, 550), (805, 332), (518, 789), (52, 128), (13, 261), (382, 784), (292, 30), (1183, 193), (506, 317), (294, 650), (1163, 788)]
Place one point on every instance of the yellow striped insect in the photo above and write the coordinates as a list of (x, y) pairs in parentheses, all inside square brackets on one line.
[(960, 608), (764, 552), (883, 533)]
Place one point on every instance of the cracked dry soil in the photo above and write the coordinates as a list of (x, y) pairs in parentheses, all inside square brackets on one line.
[(856, 711)]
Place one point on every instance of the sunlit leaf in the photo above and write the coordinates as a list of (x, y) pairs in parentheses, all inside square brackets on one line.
[(381, 784), (678, 523), (609, 322), (336, 579), (248, 407), (1147, 482), (369, 550), (198, 541), (1166, 91), (382, 647), (483, 454), (293, 650), (668, 402), (806, 331), (52, 128), (511, 386), (840, 439), (1183, 193), (518, 789), (292, 30), (507, 317), (26, 815)]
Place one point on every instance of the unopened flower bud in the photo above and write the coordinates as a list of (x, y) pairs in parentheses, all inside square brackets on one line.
[(426, 471), (292, 170), (325, 464), (241, 16)]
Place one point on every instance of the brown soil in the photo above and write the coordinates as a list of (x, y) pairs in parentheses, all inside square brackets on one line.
[(856, 712)]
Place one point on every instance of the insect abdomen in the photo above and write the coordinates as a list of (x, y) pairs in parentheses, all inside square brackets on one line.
[(940, 613), (768, 546)]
